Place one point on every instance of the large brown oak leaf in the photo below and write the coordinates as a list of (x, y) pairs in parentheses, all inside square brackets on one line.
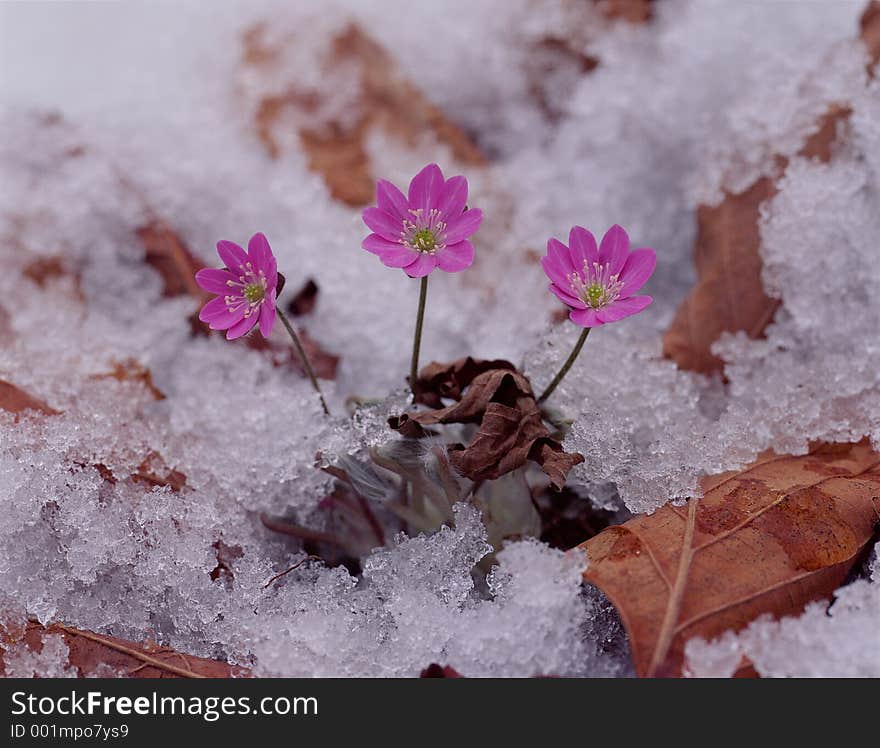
[(769, 539)]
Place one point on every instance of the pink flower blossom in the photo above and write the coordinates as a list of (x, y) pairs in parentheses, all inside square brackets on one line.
[(246, 288), (598, 283), (427, 229)]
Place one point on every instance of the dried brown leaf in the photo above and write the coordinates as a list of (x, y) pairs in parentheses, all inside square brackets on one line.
[(633, 11), (437, 381), (283, 354), (511, 428), (132, 370), (15, 400), (90, 651), (304, 300), (153, 471), (44, 269), (769, 539), (169, 256), (869, 28), (386, 101), (729, 295)]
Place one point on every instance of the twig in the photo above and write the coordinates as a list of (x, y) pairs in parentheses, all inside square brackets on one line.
[(292, 568)]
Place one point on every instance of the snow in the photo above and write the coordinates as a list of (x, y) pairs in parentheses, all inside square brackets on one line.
[(674, 114)]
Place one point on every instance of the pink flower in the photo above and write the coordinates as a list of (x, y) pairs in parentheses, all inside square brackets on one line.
[(427, 229), (598, 283), (246, 288)]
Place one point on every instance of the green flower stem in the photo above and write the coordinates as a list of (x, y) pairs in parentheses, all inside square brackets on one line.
[(566, 366), (307, 365), (417, 339)]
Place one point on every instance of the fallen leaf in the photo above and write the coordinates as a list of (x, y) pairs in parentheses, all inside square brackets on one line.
[(869, 27), (304, 300), (132, 370), (15, 400), (323, 362), (437, 381), (633, 11), (385, 101), (169, 256), (46, 268), (554, 68), (729, 295), (511, 429), (154, 472), (90, 651), (226, 557), (769, 539)]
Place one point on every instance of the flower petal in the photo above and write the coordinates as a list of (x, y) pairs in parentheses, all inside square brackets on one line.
[(423, 265), (259, 251), (213, 308), (463, 226), (456, 257), (636, 270), (232, 255), (384, 224), (242, 327), (391, 200), (453, 197), (557, 264), (567, 298), (424, 189), (585, 318), (218, 316), (267, 315), (583, 248), (262, 258), (392, 254), (624, 308), (214, 280), (614, 248)]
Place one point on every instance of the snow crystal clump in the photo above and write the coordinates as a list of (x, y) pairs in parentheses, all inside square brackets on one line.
[(50, 662), (417, 603)]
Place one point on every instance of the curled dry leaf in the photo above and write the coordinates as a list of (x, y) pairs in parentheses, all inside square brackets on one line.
[(438, 381), (729, 295), (91, 654), (769, 539), (338, 149), (15, 400), (510, 429)]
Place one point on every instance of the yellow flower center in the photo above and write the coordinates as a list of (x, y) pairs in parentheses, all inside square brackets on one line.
[(254, 292), (424, 240)]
